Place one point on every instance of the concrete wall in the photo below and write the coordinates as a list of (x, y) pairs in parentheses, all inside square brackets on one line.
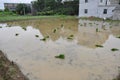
[(91, 6), (96, 8), (109, 11)]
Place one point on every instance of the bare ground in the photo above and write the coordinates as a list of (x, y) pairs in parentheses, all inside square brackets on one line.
[(9, 70)]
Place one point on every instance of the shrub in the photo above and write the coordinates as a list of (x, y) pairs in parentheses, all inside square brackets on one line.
[(46, 13)]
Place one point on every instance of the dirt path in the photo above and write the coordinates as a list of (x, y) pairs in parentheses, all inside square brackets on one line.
[(9, 70)]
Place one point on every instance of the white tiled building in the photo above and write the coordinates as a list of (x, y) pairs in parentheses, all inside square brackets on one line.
[(97, 8)]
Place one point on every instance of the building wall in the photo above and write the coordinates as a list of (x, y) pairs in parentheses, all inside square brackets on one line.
[(91, 6), (12, 6), (96, 8), (109, 11)]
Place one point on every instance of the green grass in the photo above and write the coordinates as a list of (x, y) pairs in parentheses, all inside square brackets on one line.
[(61, 56), (15, 18), (98, 19)]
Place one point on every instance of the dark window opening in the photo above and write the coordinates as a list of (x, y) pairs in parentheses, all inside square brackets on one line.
[(86, 11), (86, 1), (105, 11), (101, 1)]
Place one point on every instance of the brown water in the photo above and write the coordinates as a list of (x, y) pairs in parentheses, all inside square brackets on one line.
[(83, 60)]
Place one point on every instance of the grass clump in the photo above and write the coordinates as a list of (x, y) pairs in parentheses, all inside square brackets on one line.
[(55, 30), (61, 56), (118, 36), (0, 26), (36, 35), (45, 38), (24, 28), (70, 37), (114, 49), (99, 46)]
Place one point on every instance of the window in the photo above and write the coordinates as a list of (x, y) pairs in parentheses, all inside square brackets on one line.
[(105, 11), (86, 11), (86, 1), (101, 1)]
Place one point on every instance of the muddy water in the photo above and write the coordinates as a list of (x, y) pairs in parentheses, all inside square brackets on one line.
[(76, 39)]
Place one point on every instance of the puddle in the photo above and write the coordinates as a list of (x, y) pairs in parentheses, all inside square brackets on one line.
[(76, 39)]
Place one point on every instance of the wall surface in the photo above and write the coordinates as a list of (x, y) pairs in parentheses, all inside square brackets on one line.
[(96, 8)]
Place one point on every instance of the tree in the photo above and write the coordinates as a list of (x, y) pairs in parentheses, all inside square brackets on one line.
[(56, 7), (6, 9), (23, 9), (39, 5)]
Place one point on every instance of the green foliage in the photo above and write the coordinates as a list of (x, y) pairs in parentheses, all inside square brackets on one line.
[(23, 9), (61, 56), (56, 7), (6, 9), (7, 14), (46, 13), (114, 49)]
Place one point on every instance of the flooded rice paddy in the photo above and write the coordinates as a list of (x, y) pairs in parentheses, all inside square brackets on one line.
[(91, 49)]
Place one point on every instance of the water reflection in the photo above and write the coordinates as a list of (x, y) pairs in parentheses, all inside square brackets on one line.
[(83, 60)]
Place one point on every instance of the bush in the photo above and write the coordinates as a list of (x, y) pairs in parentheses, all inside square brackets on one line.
[(46, 13), (7, 13)]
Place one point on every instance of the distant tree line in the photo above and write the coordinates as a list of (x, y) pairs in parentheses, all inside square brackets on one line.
[(55, 7), (21, 9), (47, 7)]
